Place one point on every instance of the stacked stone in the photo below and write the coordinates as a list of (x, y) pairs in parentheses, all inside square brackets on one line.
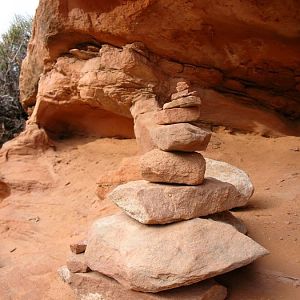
[(175, 160), (174, 188), (174, 194)]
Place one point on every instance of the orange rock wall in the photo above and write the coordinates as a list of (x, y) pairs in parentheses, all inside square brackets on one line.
[(243, 55)]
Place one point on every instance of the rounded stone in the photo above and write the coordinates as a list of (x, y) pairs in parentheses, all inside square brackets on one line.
[(173, 167)]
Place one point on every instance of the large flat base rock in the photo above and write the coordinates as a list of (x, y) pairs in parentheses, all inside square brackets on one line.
[(95, 286), (156, 258), (154, 203)]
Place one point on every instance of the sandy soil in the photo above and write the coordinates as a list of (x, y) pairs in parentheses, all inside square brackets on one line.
[(54, 201)]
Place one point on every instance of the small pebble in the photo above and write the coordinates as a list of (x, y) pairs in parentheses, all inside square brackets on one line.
[(34, 219)]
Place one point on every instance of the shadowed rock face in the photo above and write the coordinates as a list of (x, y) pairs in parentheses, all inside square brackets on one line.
[(242, 56)]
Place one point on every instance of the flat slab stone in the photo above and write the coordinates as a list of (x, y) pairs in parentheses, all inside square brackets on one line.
[(157, 258), (180, 137), (173, 167), (96, 286), (184, 93), (154, 203), (177, 115), (189, 101), (231, 174)]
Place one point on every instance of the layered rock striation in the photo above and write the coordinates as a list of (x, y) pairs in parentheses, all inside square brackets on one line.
[(242, 57)]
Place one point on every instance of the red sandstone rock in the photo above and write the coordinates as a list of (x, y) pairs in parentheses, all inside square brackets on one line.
[(183, 94), (156, 258), (143, 125), (76, 263), (78, 247), (93, 285), (30, 141), (180, 137), (231, 174), (213, 59), (188, 101), (143, 104), (157, 203), (173, 167), (177, 115)]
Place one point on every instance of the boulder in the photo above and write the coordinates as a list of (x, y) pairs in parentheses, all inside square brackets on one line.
[(188, 101), (157, 258), (32, 140), (173, 167), (231, 174), (180, 137), (95, 286), (177, 115), (154, 203)]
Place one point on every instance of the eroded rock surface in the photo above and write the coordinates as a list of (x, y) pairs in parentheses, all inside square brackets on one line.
[(31, 141), (157, 203), (156, 258), (242, 58)]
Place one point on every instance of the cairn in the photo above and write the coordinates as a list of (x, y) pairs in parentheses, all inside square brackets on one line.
[(175, 229)]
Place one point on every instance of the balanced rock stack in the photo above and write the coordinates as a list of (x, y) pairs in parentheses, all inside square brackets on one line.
[(196, 239)]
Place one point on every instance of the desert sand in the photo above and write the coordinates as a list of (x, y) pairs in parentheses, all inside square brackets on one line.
[(53, 202)]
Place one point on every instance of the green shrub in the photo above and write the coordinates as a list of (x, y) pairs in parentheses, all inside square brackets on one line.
[(13, 47)]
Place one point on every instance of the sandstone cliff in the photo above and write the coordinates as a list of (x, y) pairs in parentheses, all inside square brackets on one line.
[(242, 56)]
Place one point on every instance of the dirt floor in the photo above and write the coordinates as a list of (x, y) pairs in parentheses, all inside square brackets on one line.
[(54, 201)]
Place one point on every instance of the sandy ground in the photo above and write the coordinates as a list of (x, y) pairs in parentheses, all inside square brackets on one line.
[(54, 201)]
